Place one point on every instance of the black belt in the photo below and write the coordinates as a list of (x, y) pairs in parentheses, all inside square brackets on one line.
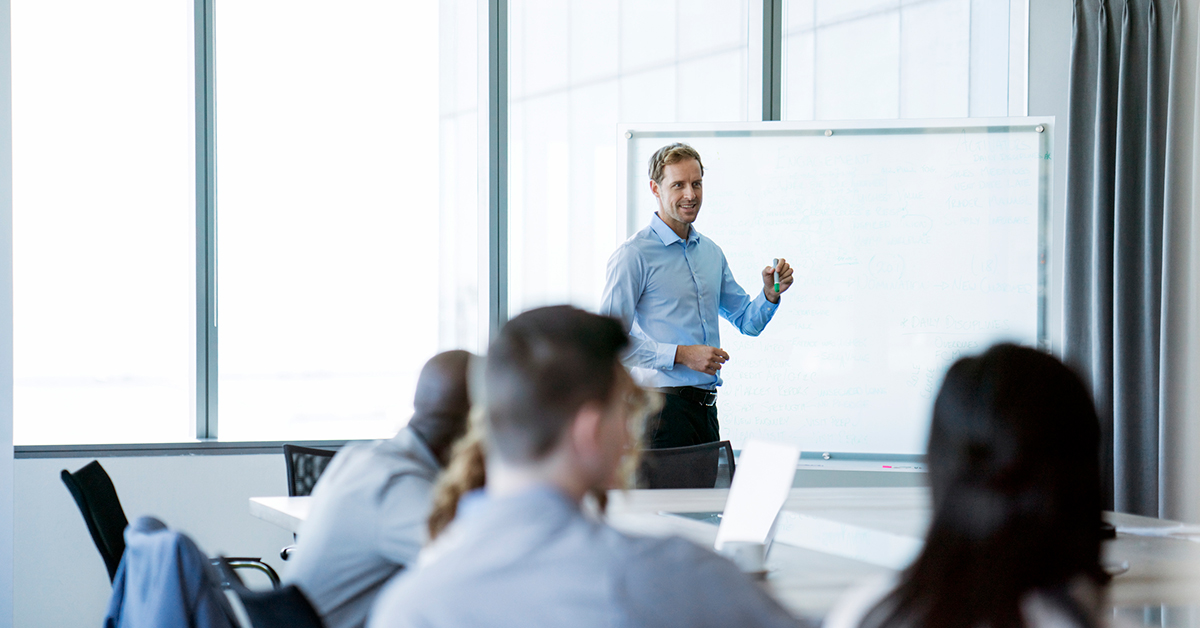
[(691, 393)]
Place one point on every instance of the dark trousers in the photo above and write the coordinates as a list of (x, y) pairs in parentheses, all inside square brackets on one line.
[(682, 422)]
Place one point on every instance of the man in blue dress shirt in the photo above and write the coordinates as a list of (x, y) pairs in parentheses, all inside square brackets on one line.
[(523, 552), (668, 283)]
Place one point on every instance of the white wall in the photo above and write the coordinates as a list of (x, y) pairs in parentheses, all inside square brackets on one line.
[(60, 580)]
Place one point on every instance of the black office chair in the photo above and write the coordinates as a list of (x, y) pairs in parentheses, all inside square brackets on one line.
[(709, 465), (304, 467), (97, 499), (285, 607)]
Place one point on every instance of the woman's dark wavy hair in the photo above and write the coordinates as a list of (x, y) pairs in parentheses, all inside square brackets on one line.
[(1014, 467)]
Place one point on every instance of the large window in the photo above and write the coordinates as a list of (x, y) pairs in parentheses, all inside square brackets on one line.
[(259, 224), (328, 241), (853, 59), (103, 221), (343, 177), (576, 70)]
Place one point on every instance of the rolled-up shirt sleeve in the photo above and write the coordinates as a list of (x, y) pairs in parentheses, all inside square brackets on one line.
[(623, 285), (749, 316)]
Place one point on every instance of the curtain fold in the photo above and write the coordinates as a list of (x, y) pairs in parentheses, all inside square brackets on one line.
[(1179, 411), (1128, 257)]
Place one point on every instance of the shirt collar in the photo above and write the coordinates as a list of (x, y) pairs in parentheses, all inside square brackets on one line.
[(408, 439), (668, 235), (479, 500), (472, 502)]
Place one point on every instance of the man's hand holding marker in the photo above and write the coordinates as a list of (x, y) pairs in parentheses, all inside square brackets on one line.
[(776, 279), (705, 359)]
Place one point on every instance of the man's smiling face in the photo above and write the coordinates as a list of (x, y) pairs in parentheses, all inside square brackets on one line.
[(680, 193)]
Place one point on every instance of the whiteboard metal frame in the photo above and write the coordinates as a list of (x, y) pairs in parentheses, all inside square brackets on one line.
[(628, 170)]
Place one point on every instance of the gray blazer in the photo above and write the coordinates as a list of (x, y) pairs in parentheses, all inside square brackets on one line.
[(367, 522)]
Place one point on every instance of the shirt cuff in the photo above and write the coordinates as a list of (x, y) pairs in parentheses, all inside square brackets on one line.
[(665, 360), (762, 302)]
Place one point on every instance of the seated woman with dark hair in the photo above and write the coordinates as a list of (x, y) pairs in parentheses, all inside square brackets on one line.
[(1014, 541)]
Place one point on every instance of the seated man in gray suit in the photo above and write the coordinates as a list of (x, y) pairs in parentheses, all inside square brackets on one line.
[(367, 520), (521, 552)]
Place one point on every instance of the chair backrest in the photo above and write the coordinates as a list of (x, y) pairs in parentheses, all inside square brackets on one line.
[(97, 500), (710, 465), (304, 467)]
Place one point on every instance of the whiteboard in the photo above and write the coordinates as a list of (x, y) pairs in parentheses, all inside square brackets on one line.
[(914, 243)]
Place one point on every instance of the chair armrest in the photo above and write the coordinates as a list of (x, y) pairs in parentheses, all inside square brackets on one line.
[(241, 562)]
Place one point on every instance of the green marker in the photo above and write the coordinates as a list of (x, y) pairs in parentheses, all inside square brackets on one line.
[(776, 265)]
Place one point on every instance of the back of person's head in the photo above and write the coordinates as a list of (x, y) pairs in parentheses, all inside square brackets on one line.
[(1013, 462), (442, 401), (545, 365)]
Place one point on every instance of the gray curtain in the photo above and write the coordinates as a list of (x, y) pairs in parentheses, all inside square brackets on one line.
[(1120, 93)]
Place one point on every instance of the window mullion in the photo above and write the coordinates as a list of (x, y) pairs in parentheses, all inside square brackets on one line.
[(206, 222), (772, 60), (497, 163)]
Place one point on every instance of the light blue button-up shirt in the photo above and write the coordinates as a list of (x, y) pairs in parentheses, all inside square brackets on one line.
[(535, 559), (669, 292)]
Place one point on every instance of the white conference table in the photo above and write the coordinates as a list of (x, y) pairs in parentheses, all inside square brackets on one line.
[(830, 539)]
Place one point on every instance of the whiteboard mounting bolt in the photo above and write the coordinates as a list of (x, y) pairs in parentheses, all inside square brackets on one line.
[(1039, 128), (826, 456), (828, 132), (629, 135)]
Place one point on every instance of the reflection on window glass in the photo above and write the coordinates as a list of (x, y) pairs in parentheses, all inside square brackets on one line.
[(344, 261), (870, 59), (103, 221), (576, 70)]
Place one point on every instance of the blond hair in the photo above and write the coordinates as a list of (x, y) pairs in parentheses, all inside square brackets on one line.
[(670, 154), (466, 472)]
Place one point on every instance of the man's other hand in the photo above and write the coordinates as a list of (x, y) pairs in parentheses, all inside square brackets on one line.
[(701, 358), (785, 280)]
